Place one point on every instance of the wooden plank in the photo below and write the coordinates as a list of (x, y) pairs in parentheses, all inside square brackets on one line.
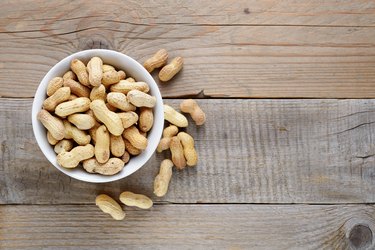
[(189, 227), (281, 49), (251, 151)]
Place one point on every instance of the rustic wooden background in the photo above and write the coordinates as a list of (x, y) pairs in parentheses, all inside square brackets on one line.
[(287, 157)]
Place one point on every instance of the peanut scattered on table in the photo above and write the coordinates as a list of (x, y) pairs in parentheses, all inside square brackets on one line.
[(135, 200), (110, 206)]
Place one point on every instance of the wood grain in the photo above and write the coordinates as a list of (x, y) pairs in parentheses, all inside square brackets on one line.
[(250, 151), (257, 49), (186, 227)]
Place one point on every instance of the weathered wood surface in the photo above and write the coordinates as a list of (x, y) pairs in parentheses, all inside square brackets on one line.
[(251, 151), (189, 227), (256, 49)]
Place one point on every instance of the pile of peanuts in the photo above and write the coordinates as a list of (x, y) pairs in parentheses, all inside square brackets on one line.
[(97, 116)]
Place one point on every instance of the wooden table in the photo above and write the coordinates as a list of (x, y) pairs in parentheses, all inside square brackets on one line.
[(287, 156)]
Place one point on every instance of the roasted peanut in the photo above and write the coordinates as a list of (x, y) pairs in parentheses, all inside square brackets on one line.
[(80, 104), (162, 180), (92, 131), (102, 144), (177, 152), (125, 157), (69, 75), (131, 149), (110, 206), (50, 139), (146, 119), (174, 117), (77, 88), (109, 118), (106, 67), (94, 68), (79, 68), (111, 167), (98, 93), (75, 156), (117, 145), (63, 145), (158, 60), (82, 121), (120, 101), (125, 86), (135, 138), (130, 79), (190, 106), (135, 200), (165, 142), (141, 99), (110, 107), (190, 153), (53, 124), (171, 69), (54, 85), (79, 136), (61, 95), (128, 118), (112, 77)]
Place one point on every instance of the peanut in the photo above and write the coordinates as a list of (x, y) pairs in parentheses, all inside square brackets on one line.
[(54, 85), (102, 144), (80, 104), (75, 156), (111, 167), (112, 77), (135, 138), (50, 139), (63, 145), (177, 152), (117, 145), (77, 88), (120, 101), (72, 97), (131, 149), (109, 118), (146, 119), (53, 124), (141, 99), (98, 93), (125, 86), (162, 180), (94, 67), (174, 117), (130, 79), (69, 75), (125, 157), (79, 136), (110, 206), (190, 153), (165, 142), (106, 67), (158, 60), (143, 133), (61, 95), (121, 74), (82, 121), (79, 68), (190, 106), (135, 200), (171, 69), (128, 118)]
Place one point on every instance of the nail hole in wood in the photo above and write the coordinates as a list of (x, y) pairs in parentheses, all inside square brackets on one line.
[(361, 237)]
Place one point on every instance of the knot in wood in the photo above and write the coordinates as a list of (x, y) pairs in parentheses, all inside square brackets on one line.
[(360, 233), (94, 42)]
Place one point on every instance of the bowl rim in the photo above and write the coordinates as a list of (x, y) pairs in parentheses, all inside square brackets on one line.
[(155, 133)]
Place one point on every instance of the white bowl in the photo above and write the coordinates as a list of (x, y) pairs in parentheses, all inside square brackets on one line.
[(132, 68)]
